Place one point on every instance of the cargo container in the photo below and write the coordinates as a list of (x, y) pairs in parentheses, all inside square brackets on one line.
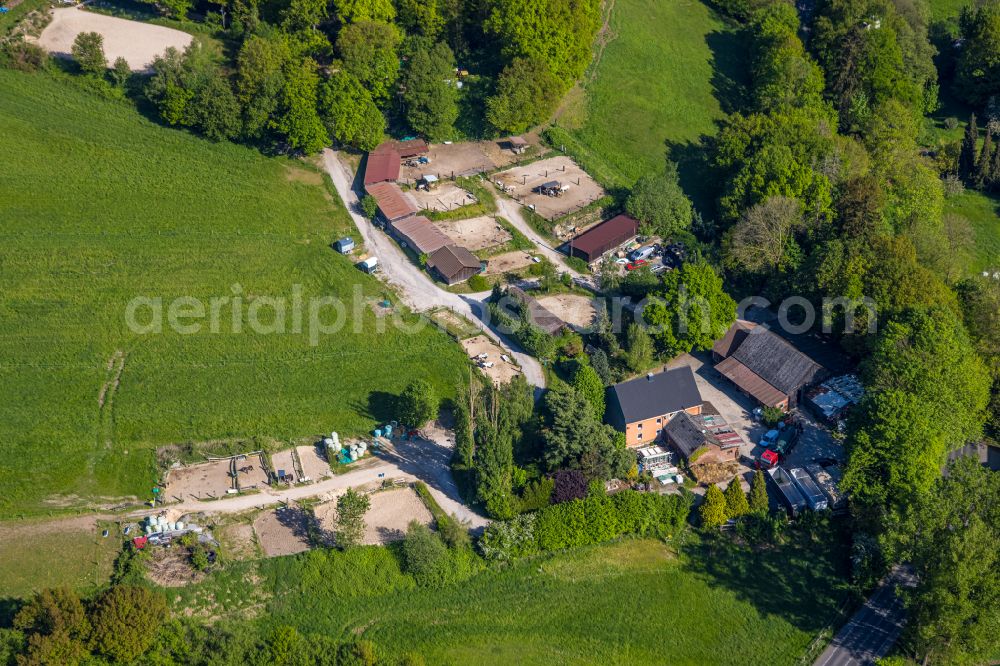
[(789, 492), (813, 495)]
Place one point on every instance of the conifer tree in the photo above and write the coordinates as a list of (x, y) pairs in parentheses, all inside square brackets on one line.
[(967, 156), (985, 162)]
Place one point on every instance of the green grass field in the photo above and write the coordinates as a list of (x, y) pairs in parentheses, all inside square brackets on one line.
[(662, 81), (633, 602), (983, 212), (944, 10), (100, 205)]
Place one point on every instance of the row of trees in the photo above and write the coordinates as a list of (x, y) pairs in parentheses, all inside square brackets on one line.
[(309, 72)]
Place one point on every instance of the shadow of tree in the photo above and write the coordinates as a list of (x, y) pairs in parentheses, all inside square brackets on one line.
[(805, 581), (301, 522), (730, 71)]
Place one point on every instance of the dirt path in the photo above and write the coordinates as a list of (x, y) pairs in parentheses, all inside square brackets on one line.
[(421, 460), (511, 211), (414, 285)]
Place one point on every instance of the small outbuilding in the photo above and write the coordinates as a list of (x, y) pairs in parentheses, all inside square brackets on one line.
[(517, 144), (453, 264), (345, 245), (552, 188)]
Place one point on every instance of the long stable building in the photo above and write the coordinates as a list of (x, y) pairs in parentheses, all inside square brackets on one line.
[(593, 243), (765, 365)]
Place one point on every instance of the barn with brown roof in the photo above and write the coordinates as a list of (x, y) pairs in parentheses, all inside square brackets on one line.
[(454, 264), (594, 242), (393, 203), (382, 165), (765, 365), (420, 234)]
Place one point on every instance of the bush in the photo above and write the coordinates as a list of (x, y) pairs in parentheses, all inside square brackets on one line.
[(23, 57), (369, 207), (569, 485), (478, 283), (713, 510), (537, 495), (88, 51), (126, 620), (425, 557), (771, 416), (509, 539)]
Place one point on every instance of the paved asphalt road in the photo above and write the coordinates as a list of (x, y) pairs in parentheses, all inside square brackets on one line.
[(414, 285), (873, 630)]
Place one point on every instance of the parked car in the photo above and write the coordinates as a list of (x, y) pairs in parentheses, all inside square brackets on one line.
[(769, 438)]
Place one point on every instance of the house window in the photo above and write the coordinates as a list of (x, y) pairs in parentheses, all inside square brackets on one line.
[(658, 431), (639, 436), (657, 420), (639, 426)]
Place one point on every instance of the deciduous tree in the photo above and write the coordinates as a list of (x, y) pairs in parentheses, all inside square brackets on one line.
[(659, 202), (349, 112), (349, 528), (88, 51), (418, 404), (126, 620), (429, 91), (527, 93), (369, 50)]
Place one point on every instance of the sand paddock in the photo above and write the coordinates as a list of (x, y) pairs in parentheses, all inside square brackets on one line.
[(387, 519), (578, 311), (502, 371), (446, 196), (201, 481), (282, 531), (139, 43), (507, 262), (520, 182), (314, 465), (459, 159), (477, 233)]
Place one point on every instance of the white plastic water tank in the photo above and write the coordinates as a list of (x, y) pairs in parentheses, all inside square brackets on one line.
[(179, 525), (354, 454), (328, 442)]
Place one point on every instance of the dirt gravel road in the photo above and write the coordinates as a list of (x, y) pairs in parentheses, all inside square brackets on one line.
[(415, 287)]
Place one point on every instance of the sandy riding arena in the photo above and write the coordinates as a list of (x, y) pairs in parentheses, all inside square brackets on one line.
[(507, 262), (139, 43), (499, 370), (577, 311), (477, 233), (576, 188)]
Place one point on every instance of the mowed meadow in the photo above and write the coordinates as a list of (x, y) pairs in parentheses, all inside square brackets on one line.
[(663, 76), (631, 602), (99, 205)]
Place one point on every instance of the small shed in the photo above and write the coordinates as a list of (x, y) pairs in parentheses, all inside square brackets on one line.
[(552, 188), (345, 245), (454, 264), (517, 144)]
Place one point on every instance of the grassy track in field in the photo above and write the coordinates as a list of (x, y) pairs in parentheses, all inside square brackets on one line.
[(99, 205), (662, 81), (634, 602)]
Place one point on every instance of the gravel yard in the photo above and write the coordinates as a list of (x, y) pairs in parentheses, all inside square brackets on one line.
[(139, 43), (459, 159)]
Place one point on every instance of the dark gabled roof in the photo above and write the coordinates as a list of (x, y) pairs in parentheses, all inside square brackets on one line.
[(538, 314), (746, 379), (409, 148), (517, 141), (657, 394), (776, 361), (606, 235), (383, 165), (450, 260), (684, 433), (728, 343)]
